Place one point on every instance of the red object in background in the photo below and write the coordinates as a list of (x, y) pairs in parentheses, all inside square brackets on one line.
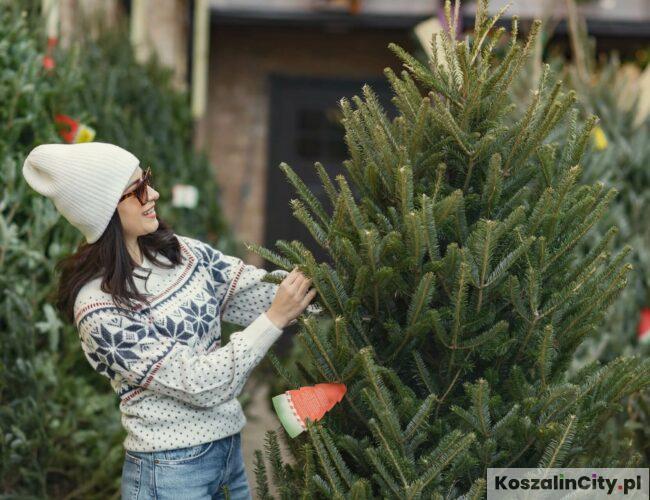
[(643, 332), (48, 60), (65, 122), (352, 6), (48, 63)]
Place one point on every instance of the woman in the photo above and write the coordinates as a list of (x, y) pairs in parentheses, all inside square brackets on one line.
[(148, 305)]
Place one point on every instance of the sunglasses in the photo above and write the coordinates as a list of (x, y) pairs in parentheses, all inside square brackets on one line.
[(140, 190)]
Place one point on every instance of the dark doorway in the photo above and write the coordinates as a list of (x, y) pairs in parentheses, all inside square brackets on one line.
[(305, 128)]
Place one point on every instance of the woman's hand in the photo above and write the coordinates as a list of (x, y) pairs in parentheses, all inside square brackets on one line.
[(291, 299)]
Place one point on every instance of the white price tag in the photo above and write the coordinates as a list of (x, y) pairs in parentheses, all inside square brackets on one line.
[(185, 195)]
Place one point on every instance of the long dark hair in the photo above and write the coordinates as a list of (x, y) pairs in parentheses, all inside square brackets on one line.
[(109, 259)]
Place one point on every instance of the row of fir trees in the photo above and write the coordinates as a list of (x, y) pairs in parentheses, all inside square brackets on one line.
[(61, 435)]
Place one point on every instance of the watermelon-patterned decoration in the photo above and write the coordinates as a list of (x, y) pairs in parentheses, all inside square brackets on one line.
[(72, 131), (643, 331), (294, 407)]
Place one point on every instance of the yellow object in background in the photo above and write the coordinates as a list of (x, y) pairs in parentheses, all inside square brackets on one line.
[(600, 139), (84, 134)]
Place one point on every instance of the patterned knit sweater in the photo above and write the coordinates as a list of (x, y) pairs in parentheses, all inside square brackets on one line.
[(177, 386)]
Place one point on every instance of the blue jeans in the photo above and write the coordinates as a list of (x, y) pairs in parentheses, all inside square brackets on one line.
[(192, 473)]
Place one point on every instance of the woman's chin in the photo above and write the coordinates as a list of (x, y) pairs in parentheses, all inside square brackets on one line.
[(152, 224)]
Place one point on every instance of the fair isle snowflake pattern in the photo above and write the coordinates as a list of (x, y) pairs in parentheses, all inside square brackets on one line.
[(215, 263), (200, 316), (115, 343), (122, 345)]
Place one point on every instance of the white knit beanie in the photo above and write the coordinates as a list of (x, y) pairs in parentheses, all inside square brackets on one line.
[(84, 181)]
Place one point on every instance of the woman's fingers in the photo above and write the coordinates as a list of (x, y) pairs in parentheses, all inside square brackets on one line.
[(304, 286), (291, 277), (308, 298)]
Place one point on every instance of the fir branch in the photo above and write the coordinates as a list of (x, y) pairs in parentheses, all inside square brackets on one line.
[(389, 420), (269, 255), (290, 380), (272, 449), (480, 31), (389, 451), (421, 298), (420, 418), (342, 468), (326, 182), (402, 99), (508, 261), (507, 420), (375, 114), (546, 354), (477, 491), (459, 303), (447, 121), (421, 73), (480, 393), (373, 456), (425, 376), (452, 445), (351, 205), (320, 364), (558, 449), (305, 194), (437, 187), (404, 189), (414, 240), (573, 239), (326, 465), (261, 479), (495, 332), (290, 250), (317, 232), (308, 472), (430, 228), (522, 128), (493, 184), (375, 381), (310, 329)]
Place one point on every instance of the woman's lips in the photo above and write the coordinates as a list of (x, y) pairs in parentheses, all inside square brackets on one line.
[(152, 215)]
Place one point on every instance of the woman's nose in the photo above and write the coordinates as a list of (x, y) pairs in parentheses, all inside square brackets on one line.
[(152, 194)]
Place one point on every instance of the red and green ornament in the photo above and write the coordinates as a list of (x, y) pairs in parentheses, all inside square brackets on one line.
[(73, 131), (296, 406)]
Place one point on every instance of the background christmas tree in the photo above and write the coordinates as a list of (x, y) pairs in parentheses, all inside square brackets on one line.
[(617, 154), (61, 433), (455, 293)]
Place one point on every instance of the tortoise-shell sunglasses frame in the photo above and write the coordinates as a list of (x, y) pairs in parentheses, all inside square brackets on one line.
[(140, 190)]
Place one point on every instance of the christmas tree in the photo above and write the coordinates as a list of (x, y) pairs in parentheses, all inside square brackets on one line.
[(455, 298)]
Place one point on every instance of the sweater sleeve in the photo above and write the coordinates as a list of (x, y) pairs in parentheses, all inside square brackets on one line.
[(247, 295), (132, 348), (244, 295)]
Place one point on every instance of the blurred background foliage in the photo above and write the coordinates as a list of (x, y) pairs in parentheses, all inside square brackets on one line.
[(61, 433)]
